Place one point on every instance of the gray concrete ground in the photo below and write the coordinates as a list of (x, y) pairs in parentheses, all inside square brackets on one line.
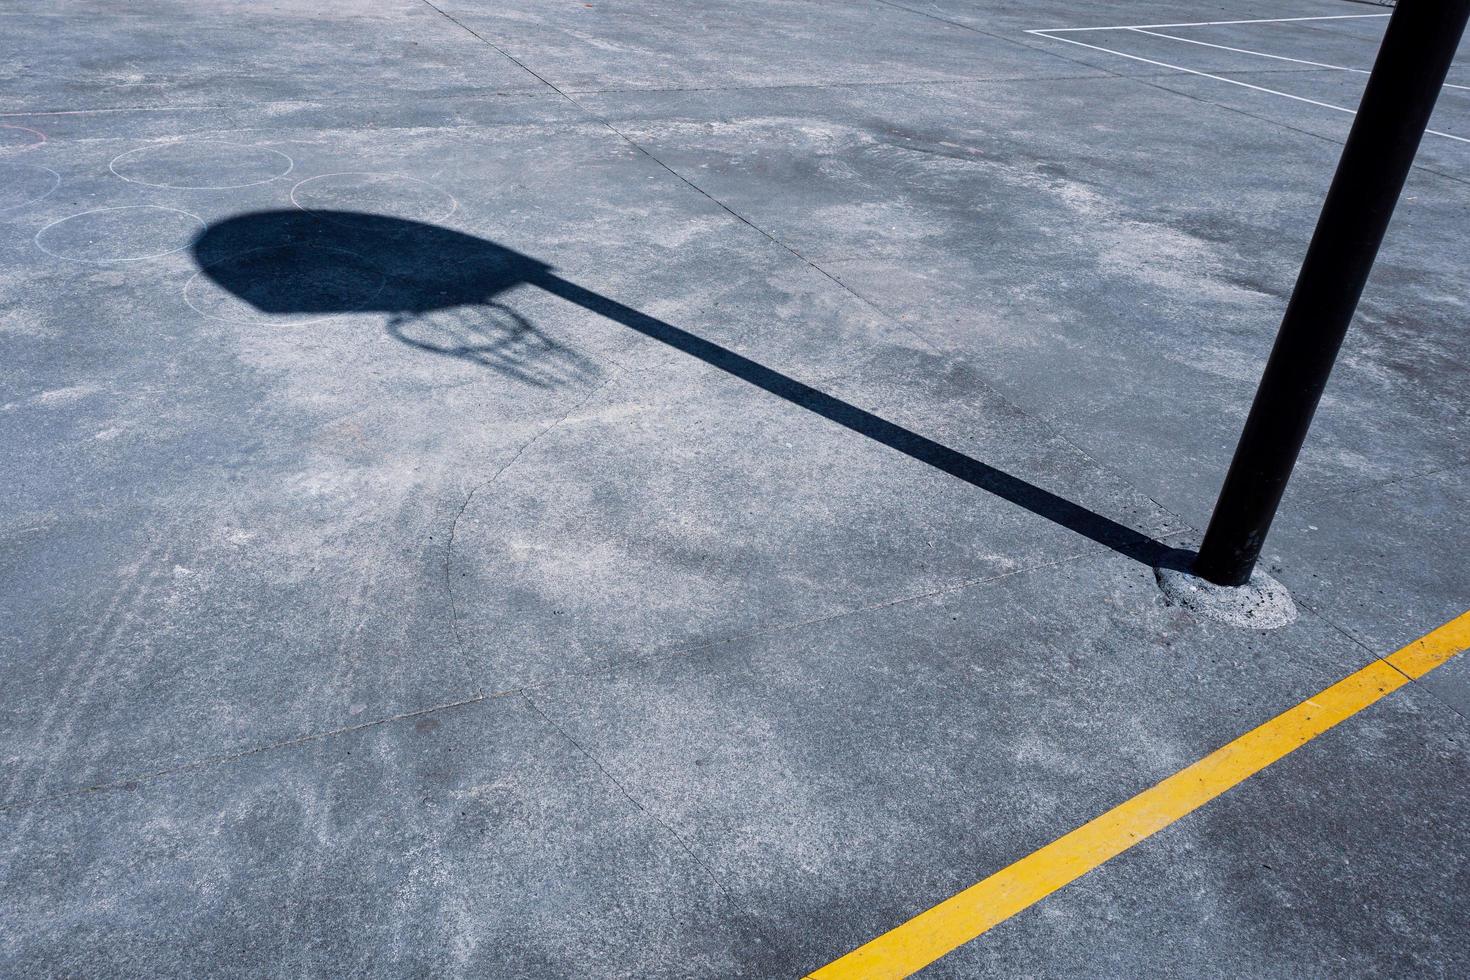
[(665, 489)]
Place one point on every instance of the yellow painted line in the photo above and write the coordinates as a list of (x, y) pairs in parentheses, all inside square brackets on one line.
[(955, 921)]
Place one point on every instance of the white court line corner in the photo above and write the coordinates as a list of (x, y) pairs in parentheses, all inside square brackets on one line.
[(1050, 34)]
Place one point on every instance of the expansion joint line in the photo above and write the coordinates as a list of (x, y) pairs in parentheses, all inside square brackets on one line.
[(694, 857), (680, 177), (889, 317)]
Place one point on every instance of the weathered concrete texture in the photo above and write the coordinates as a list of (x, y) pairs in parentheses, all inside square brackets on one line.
[(649, 521), (796, 761), (780, 405), (1262, 603), (475, 841), (1319, 866), (1439, 154), (665, 44), (110, 56), (967, 209), (1381, 562)]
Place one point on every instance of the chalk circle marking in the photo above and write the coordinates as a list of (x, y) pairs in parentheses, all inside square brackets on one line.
[(357, 180), (194, 219), (16, 186), (10, 144), (141, 154), (363, 297)]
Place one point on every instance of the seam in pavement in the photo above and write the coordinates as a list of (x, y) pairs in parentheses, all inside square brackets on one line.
[(1348, 635), (1336, 627), (893, 320), (699, 860), (532, 94), (615, 668), (678, 176), (684, 845), (606, 670), (218, 760), (1393, 482)]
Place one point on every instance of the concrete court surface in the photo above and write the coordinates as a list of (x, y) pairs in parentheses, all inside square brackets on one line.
[(654, 489)]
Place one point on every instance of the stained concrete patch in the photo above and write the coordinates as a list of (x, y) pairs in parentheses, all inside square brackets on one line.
[(185, 55), (1087, 251), (850, 774), (475, 841), (652, 521)]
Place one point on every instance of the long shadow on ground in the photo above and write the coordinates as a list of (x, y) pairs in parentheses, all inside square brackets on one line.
[(440, 289)]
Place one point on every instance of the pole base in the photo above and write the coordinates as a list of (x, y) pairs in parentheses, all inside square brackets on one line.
[(1261, 604)]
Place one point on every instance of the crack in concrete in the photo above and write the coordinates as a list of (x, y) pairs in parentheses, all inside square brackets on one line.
[(459, 639), (699, 860), (678, 176), (1428, 474)]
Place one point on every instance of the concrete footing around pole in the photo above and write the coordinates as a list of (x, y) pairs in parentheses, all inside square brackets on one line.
[(1262, 603)]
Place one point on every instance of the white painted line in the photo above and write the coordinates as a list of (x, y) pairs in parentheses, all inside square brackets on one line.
[(1259, 54), (1204, 23), (124, 258), (1263, 54), (55, 183), (1228, 81), (185, 141)]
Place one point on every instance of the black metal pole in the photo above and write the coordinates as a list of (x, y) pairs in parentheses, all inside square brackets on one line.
[(1407, 76)]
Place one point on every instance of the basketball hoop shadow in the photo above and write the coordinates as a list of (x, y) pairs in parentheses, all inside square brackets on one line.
[(443, 289), (439, 288)]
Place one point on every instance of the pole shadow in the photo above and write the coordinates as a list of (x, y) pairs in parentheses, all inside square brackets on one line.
[(440, 290)]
